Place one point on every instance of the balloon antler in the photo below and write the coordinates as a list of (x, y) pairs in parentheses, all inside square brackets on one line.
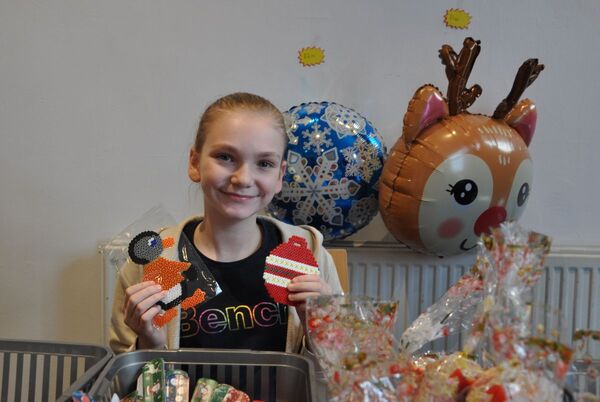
[(458, 69), (527, 73)]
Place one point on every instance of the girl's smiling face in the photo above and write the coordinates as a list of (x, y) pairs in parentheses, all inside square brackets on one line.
[(240, 166)]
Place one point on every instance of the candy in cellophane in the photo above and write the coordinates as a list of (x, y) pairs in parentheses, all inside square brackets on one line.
[(503, 358), (353, 338), (519, 366), (451, 314)]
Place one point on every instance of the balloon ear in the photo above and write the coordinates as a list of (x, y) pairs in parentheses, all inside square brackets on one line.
[(523, 118), (426, 107)]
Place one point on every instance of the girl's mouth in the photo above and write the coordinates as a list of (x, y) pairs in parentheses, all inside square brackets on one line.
[(236, 196)]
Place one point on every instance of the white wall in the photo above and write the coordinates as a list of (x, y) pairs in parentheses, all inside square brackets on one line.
[(99, 101)]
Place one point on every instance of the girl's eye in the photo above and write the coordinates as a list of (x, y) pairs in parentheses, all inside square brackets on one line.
[(266, 164), (224, 157)]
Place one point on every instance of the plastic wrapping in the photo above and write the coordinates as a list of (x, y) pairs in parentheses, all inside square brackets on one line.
[(583, 378), (353, 339), (519, 366), (503, 359), (452, 313), (445, 378), (155, 219)]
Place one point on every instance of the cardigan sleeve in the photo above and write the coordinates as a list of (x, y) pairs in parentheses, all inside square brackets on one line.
[(122, 338), (325, 261)]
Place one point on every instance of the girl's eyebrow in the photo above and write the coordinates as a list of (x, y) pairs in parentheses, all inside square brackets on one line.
[(233, 149), (270, 155), (223, 147)]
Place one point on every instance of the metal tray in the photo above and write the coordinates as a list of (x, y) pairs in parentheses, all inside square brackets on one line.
[(265, 376)]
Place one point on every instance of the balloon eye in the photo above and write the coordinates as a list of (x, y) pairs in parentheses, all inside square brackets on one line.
[(523, 194), (152, 242), (464, 191)]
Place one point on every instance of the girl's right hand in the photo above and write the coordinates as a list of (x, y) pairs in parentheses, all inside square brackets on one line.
[(139, 309)]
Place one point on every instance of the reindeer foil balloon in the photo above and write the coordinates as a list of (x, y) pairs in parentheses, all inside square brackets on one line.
[(454, 175)]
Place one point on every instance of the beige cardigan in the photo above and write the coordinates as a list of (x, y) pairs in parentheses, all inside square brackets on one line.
[(123, 339)]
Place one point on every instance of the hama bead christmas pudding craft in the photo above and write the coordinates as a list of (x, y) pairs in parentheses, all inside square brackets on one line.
[(287, 261), (172, 276)]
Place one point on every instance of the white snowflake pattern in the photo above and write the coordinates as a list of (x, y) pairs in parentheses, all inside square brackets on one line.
[(317, 139), (313, 107), (290, 119), (362, 211), (314, 190), (379, 140), (362, 159), (344, 121)]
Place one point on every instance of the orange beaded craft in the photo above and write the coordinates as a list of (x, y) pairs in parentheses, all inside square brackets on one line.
[(146, 249)]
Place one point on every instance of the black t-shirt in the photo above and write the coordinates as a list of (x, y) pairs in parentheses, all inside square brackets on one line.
[(243, 316)]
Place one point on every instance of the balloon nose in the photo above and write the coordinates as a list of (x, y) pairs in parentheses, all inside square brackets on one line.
[(491, 218)]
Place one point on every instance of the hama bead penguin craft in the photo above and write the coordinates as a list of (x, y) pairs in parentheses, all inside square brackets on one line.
[(173, 276), (287, 261)]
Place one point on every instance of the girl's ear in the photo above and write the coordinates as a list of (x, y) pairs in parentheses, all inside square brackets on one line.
[(282, 170), (194, 166)]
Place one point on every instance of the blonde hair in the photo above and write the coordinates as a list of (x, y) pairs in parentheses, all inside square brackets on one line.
[(234, 102)]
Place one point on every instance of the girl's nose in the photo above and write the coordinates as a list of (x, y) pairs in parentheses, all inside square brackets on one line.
[(242, 176)]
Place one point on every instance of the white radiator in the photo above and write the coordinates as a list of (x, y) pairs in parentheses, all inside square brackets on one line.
[(567, 297)]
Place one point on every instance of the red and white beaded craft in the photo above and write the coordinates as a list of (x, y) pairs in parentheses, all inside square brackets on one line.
[(287, 261)]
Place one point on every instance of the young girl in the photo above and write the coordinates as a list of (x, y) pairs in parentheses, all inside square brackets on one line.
[(238, 159)]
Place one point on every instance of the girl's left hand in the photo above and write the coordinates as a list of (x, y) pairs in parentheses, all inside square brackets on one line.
[(304, 286)]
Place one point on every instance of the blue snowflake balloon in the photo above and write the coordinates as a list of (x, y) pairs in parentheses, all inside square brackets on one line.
[(334, 161)]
